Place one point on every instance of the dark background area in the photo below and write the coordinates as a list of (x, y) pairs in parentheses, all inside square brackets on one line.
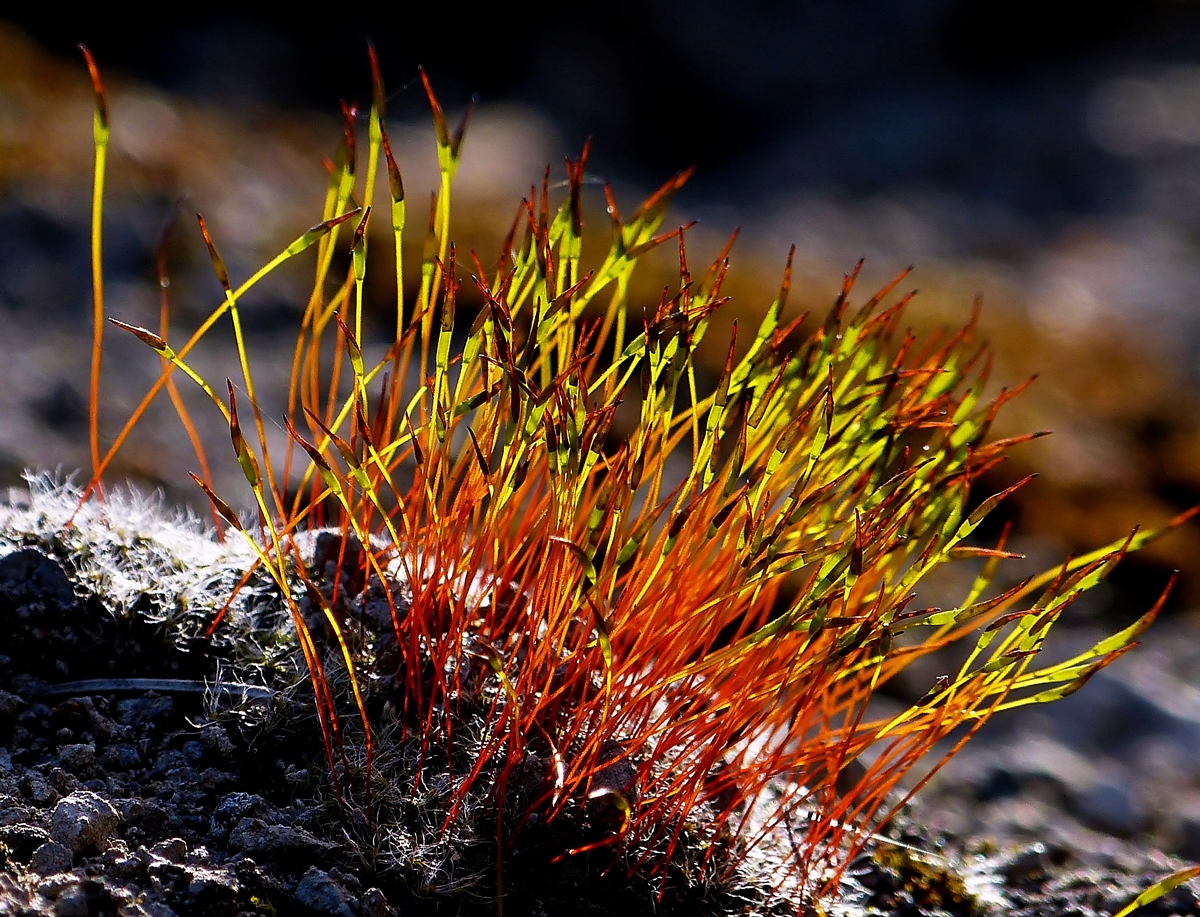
[(979, 98)]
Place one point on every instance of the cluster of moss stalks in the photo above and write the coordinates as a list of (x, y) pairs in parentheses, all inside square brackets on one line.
[(149, 580), (626, 608)]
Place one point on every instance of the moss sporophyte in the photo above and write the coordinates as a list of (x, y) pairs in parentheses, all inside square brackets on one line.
[(653, 601)]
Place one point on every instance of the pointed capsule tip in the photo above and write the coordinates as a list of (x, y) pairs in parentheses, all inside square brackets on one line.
[(97, 85)]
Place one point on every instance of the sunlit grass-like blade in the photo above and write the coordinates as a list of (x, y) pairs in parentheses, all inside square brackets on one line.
[(100, 135), (1158, 889)]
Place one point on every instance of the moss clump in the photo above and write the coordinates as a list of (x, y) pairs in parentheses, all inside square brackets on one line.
[(627, 611)]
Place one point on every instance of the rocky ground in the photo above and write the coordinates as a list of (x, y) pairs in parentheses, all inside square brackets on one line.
[(146, 771)]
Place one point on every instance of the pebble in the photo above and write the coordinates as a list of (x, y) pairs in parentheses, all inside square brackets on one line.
[(135, 711), (28, 577), (255, 837), (37, 789), (195, 889), (15, 815), (212, 780), (14, 894), (319, 892), (232, 809), (55, 885), (50, 858), (120, 756), (79, 758), (215, 739), (83, 822), (374, 904), (172, 850), (1109, 806), (36, 715), (63, 782), (23, 840), (73, 903), (123, 864), (209, 891)]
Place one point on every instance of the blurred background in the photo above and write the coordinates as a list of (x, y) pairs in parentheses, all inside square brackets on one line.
[(1044, 157)]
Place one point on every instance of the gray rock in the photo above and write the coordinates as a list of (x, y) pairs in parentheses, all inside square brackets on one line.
[(50, 858), (137, 710), (23, 840), (256, 838), (83, 822), (15, 815), (216, 739), (38, 790), (374, 609), (172, 764), (1109, 806), (1040, 757), (144, 819), (374, 904), (193, 751), (29, 577), (211, 891), (14, 895), (320, 893), (84, 898), (78, 758), (195, 889), (173, 850), (54, 885), (232, 809), (1123, 705), (73, 903), (120, 756)]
